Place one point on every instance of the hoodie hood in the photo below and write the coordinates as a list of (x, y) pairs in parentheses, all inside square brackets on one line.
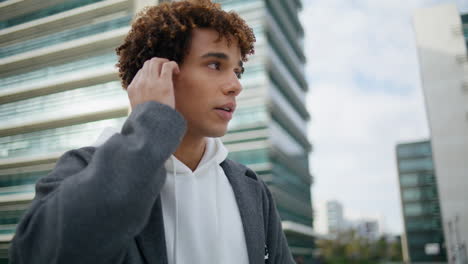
[(214, 154)]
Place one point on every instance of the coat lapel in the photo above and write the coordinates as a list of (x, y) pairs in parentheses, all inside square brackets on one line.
[(152, 240), (248, 195)]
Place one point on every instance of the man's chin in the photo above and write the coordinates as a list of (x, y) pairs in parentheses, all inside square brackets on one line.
[(217, 133)]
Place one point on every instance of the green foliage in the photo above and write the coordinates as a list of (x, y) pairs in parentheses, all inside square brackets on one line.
[(350, 248)]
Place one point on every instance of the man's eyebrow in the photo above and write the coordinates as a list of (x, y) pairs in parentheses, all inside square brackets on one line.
[(221, 55), (218, 55)]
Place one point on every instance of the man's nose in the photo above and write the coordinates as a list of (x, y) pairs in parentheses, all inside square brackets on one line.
[(233, 87)]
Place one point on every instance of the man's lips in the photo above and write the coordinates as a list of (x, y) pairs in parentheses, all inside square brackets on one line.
[(225, 111), (226, 115), (229, 107)]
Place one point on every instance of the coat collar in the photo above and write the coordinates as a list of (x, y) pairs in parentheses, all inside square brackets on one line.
[(248, 193)]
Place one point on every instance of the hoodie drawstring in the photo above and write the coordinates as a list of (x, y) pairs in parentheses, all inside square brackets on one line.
[(218, 222), (176, 214)]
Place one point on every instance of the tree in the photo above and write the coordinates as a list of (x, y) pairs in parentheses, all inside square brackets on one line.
[(350, 248)]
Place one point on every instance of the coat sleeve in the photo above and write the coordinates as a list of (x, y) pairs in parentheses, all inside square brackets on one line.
[(95, 201), (277, 246)]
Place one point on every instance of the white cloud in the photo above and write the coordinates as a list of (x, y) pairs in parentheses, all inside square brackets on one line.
[(354, 135), (356, 122)]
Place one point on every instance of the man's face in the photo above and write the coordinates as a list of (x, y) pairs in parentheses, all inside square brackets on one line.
[(208, 81)]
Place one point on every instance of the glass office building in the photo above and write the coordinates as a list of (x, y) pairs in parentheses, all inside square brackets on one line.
[(272, 137), (59, 89), (419, 199)]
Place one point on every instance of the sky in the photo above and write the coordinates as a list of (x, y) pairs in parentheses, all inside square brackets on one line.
[(364, 97)]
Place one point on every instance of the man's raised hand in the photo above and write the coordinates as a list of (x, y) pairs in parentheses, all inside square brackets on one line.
[(153, 82)]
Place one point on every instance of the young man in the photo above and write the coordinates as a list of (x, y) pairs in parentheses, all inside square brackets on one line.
[(129, 200)]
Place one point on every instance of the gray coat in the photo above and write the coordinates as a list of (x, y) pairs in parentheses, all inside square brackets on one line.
[(102, 205)]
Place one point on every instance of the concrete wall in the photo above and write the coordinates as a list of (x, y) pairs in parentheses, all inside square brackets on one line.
[(443, 62)]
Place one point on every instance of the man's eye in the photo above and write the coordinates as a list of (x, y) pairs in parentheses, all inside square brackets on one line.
[(239, 75), (214, 65)]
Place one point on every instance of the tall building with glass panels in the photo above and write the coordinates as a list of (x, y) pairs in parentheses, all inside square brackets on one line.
[(269, 133), (59, 89), (442, 40), (419, 199)]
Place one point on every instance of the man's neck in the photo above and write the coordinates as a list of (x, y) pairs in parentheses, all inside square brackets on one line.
[(191, 150)]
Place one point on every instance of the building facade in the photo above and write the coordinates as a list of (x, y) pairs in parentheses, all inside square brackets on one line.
[(368, 229), (335, 219), (59, 89), (441, 35), (424, 237)]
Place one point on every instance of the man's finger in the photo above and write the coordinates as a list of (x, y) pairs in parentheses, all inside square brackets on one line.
[(168, 69), (138, 75), (146, 67), (156, 66), (135, 79)]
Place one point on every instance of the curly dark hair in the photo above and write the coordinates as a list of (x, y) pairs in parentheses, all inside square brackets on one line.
[(165, 31)]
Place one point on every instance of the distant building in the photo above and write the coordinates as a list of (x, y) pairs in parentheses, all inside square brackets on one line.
[(423, 239), (335, 219), (368, 229), (442, 39)]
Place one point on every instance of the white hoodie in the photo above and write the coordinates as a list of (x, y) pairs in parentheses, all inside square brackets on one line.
[(202, 222)]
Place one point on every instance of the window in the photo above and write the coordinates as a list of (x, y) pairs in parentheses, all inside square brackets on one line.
[(72, 68), (411, 194), (427, 193), (64, 36), (416, 164), (418, 209), (68, 5), (413, 209), (55, 140), (416, 179), (409, 179), (10, 217), (250, 156), (24, 178), (285, 141), (248, 116), (414, 150), (421, 224), (77, 101)]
